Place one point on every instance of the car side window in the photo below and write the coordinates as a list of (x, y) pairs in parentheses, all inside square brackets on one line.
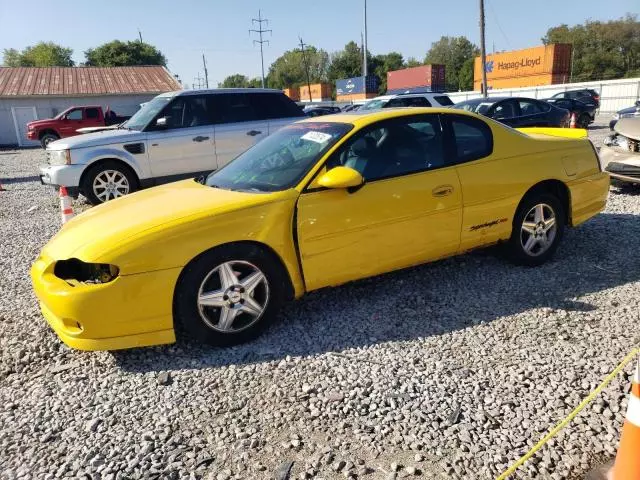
[(233, 108), (75, 114), (528, 107), (394, 148), (505, 109), (273, 105), (186, 111), (472, 138), (92, 113), (408, 102)]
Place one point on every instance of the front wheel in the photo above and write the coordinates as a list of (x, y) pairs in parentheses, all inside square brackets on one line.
[(583, 121), (229, 295), (47, 138), (537, 229), (106, 181)]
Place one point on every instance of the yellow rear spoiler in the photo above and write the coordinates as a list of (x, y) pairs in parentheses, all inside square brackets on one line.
[(555, 132)]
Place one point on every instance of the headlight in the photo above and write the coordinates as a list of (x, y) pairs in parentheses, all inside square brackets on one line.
[(59, 157), (74, 269), (616, 116)]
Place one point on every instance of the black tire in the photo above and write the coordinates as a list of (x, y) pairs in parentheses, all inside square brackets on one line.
[(189, 315), (47, 138), (584, 120), (516, 245), (88, 179)]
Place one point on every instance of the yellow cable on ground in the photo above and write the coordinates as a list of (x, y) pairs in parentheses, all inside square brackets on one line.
[(569, 417)]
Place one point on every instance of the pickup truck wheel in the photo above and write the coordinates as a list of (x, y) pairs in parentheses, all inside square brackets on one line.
[(228, 295), (106, 181), (537, 229), (47, 138)]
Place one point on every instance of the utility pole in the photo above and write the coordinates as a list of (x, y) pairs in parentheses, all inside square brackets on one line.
[(199, 80), (306, 67), (140, 35), (206, 74), (364, 52), (483, 51), (260, 31), (362, 49)]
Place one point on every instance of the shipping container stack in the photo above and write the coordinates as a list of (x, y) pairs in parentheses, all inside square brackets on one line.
[(320, 92), (423, 78), (356, 88), (531, 67), (293, 93)]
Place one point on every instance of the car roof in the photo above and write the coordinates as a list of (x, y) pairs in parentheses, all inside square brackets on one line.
[(219, 91), (361, 119)]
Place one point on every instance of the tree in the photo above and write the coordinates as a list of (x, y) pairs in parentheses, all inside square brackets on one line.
[(43, 54), (452, 52), (346, 63), (124, 54), (234, 81), (412, 62), (382, 64), (289, 69), (601, 50)]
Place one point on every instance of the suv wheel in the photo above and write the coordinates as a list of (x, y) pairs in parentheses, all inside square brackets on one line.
[(47, 138), (106, 181)]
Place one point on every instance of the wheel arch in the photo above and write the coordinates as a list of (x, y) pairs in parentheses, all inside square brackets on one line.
[(100, 161), (557, 188), (263, 247), (46, 131)]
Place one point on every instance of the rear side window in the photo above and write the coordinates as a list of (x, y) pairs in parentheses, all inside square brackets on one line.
[(232, 108), (443, 100), (530, 107), (472, 138), (273, 105), (92, 113), (408, 102)]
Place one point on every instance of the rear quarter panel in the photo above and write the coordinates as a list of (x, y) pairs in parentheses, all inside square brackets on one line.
[(494, 186)]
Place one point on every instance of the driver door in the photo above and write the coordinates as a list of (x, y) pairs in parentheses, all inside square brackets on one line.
[(71, 122), (409, 211)]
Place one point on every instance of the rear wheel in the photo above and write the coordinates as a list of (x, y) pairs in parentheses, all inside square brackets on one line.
[(583, 120), (537, 229), (229, 295), (47, 138), (106, 181)]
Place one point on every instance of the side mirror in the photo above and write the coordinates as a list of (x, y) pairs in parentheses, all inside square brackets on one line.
[(161, 122), (342, 177), (65, 119)]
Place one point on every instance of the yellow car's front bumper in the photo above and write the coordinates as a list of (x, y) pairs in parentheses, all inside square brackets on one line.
[(130, 311)]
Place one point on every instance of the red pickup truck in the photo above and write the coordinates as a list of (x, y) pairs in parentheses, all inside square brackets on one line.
[(67, 123)]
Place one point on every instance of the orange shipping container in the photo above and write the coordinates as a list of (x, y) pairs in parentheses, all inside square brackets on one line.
[(355, 96), (319, 92), (545, 65), (293, 93)]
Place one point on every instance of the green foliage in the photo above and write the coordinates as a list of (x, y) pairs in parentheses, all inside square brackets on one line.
[(412, 62), (289, 69), (124, 54), (453, 52), (601, 50), (381, 64), (43, 54), (240, 81), (346, 63)]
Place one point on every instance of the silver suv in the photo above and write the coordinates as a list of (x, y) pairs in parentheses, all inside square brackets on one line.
[(176, 135), (408, 100)]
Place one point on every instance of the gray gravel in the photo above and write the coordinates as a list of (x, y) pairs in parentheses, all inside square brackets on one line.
[(449, 370)]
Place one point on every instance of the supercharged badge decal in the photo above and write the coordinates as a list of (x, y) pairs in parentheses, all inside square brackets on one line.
[(492, 223)]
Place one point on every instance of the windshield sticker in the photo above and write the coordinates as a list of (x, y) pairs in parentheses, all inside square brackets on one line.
[(318, 137)]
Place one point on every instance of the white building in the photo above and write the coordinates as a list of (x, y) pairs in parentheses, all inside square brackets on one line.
[(32, 93)]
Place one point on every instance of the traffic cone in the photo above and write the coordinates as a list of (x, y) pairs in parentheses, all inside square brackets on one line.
[(572, 122), (627, 464), (65, 205), (2, 189)]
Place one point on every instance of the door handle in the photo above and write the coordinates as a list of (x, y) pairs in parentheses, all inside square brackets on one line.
[(253, 133), (200, 139), (442, 190)]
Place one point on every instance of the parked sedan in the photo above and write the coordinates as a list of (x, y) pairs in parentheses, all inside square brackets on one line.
[(316, 204), (320, 111), (625, 113), (585, 112), (517, 112)]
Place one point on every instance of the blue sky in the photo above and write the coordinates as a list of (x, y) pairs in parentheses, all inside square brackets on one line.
[(185, 30)]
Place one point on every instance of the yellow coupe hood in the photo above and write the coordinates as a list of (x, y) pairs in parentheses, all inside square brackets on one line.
[(109, 225)]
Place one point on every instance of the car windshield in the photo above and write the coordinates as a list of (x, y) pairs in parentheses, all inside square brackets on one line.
[(475, 106), (375, 103), (281, 160), (147, 113)]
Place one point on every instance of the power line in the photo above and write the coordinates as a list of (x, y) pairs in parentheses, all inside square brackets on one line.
[(260, 31), (506, 39), (306, 67)]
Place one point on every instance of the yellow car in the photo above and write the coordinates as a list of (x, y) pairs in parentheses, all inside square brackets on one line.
[(321, 202)]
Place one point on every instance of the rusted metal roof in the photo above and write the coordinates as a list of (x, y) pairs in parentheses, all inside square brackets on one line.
[(73, 81)]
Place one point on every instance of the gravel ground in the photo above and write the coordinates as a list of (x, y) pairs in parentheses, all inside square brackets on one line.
[(449, 370)]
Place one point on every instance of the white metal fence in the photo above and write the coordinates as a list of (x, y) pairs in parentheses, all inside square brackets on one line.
[(614, 94)]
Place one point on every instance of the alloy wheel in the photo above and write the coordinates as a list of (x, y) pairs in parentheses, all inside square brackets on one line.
[(110, 184), (538, 230), (233, 296)]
